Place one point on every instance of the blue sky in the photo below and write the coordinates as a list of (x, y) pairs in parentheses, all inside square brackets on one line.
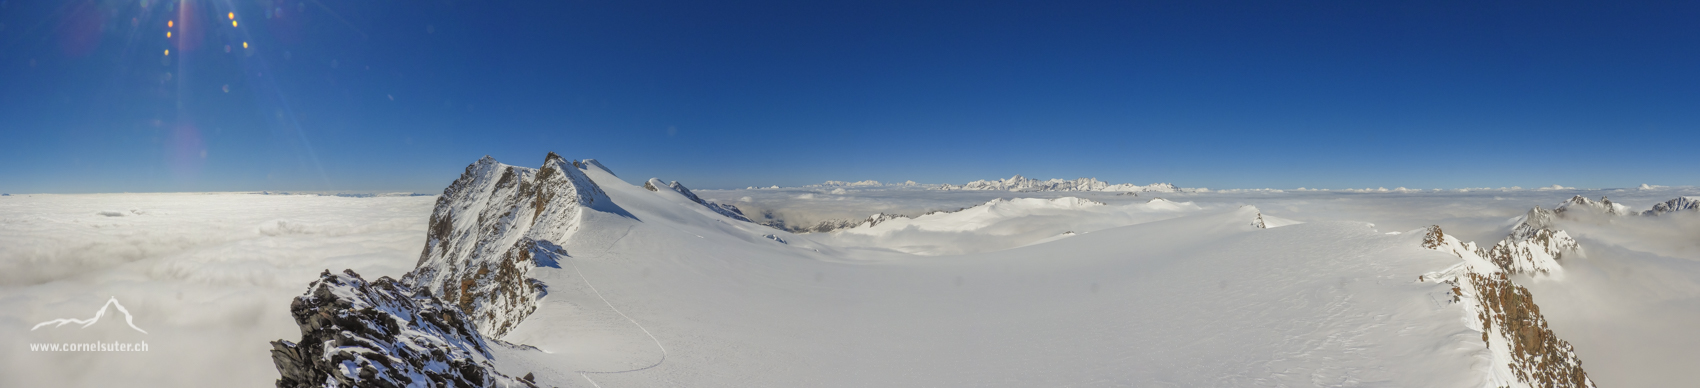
[(400, 96)]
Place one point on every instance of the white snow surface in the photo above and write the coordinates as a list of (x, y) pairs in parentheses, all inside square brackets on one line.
[(1030, 289), (1001, 224)]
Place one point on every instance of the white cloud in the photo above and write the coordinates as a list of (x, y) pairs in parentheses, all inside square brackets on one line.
[(210, 276)]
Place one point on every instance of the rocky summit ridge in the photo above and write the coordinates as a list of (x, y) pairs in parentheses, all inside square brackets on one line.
[(357, 333), (1522, 350), (491, 227)]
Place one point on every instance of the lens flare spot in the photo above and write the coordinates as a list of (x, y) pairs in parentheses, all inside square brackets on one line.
[(170, 23), (232, 16), (227, 88), (244, 44), (168, 34), (233, 23), (168, 52), (227, 49)]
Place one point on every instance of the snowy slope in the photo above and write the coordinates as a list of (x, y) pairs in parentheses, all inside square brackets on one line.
[(1184, 300), (1339, 307), (666, 292), (999, 224)]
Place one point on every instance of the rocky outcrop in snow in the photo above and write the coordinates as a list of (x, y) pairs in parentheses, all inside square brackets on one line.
[(724, 209), (1020, 183), (382, 333), (1675, 205), (491, 227), (1522, 350)]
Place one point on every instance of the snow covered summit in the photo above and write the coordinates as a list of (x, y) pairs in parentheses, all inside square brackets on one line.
[(1020, 183)]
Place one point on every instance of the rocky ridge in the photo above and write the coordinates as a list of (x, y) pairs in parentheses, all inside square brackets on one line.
[(1522, 350), (724, 209), (382, 333), (491, 227)]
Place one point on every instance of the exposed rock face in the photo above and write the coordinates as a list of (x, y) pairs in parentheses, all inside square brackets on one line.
[(491, 227), (1533, 247), (1258, 222), (1020, 183), (356, 333), (1522, 351), (1674, 205), (1511, 320)]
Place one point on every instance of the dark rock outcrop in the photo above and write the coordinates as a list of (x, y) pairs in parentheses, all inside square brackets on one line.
[(356, 333)]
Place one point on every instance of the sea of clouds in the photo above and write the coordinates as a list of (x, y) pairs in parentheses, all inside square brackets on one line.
[(208, 276)]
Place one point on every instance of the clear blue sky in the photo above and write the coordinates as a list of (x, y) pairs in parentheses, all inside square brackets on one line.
[(400, 95)]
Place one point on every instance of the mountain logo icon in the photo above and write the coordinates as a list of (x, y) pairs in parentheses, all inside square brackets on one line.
[(128, 319)]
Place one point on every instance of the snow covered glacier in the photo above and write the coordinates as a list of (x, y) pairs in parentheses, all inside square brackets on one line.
[(580, 278)]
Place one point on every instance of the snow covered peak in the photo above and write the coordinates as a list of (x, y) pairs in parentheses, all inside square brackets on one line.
[(488, 229), (1535, 218), (1533, 247), (1604, 206), (1675, 205), (1020, 183), (865, 183)]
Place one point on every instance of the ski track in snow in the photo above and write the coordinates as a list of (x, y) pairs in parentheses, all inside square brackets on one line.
[(582, 373)]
